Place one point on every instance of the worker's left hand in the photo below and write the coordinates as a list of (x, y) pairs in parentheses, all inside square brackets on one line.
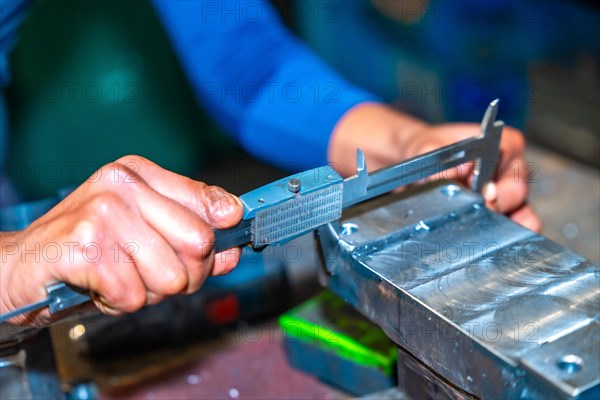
[(387, 136)]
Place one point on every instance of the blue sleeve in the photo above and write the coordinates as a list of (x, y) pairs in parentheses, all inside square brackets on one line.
[(277, 98)]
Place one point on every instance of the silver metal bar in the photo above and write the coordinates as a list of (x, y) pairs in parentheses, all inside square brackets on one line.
[(24, 310), (489, 152)]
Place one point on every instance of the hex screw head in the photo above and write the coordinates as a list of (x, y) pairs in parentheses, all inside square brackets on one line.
[(294, 185)]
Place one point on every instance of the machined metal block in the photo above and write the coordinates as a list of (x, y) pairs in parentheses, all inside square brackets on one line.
[(493, 308)]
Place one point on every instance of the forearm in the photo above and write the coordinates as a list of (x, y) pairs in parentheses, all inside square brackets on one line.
[(266, 88)]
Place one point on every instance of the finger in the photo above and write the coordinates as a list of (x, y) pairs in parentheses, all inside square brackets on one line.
[(95, 262), (226, 260), (216, 206), (490, 194), (527, 217), (160, 268), (461, 173), (511, 188), (184, 231), (117, 286), (190, 238), (137, 243), (512, 147), (146, 240), (446, 135), (176, 222)]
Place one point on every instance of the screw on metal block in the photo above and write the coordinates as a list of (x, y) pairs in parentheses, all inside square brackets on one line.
[(294, 185), (570, 363), (349, 228), (451, 190)]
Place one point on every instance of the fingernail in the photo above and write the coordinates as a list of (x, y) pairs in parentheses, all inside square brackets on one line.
[(489, 192), (237, 199), (218, 195)]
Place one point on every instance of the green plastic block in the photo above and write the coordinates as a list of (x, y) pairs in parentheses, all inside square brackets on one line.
[(334, 326)]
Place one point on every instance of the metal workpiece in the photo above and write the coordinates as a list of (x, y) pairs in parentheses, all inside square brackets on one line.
[(491, 307)]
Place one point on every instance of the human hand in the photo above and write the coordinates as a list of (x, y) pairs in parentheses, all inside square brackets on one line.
[(387, 137), (132, 234)]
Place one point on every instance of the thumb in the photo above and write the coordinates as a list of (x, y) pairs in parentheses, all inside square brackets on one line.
[(219, 208)]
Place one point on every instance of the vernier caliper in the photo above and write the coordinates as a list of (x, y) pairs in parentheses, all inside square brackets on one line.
[(290, 207)]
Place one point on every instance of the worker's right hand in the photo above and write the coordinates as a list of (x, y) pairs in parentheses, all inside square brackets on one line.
[(132, 234)]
